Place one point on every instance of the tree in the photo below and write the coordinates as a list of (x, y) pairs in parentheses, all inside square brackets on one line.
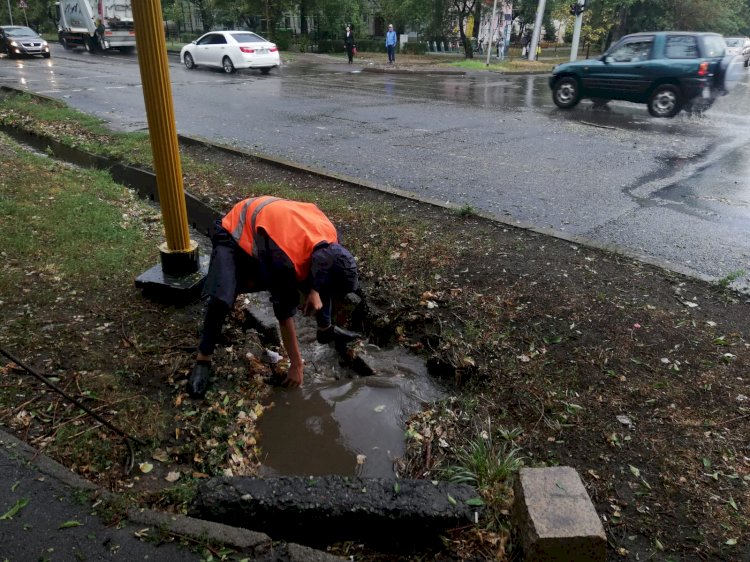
[(615, 18), (205, 9), (461, 10), (413, 14)]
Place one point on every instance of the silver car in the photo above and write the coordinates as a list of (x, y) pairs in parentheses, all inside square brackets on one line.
[(18, 40), (739, 46)]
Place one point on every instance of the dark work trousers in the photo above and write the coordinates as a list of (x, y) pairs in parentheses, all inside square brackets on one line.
[(232, 272), (391, 53)]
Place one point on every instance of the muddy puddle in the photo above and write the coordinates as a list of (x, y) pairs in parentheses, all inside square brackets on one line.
[(339, 422)]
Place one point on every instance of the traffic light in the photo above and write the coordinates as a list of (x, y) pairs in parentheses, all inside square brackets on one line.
[(577, 8)]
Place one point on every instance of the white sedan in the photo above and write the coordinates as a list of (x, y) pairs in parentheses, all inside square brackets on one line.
[(231, 50)]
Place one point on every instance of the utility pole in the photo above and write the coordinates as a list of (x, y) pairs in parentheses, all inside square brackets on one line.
[(492, 32), (577, 10), (537, 30), (10, 13), (180, 271)]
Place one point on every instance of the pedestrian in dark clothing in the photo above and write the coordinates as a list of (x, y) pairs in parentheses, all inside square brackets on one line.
[(390, 44), (349, 44), (288, 248)]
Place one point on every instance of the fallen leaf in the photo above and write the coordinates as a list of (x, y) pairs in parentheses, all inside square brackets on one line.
[(173, 476), (731, 542), (145, 467), (635, 471), (160, 455), (361, 459), (19, 505), (69, 524), (380, 408)]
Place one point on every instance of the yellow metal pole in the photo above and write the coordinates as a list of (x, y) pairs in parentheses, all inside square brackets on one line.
[(157, 94)]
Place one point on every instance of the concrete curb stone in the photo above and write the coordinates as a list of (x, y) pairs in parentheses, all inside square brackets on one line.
[(554, 517)]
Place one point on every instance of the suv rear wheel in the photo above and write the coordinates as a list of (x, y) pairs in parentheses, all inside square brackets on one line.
[(566, 93), (665, 101)]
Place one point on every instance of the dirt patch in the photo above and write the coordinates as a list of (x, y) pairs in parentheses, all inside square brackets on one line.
[(635, 376)]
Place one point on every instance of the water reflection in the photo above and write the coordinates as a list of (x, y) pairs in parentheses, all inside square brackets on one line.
[(339, 422)]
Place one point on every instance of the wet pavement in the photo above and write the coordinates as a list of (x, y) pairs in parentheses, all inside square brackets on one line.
[(662, 188)]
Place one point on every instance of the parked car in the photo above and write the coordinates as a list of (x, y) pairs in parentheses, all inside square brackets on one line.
[(739, 46), (18, 40), (666, 70), (231, 50)]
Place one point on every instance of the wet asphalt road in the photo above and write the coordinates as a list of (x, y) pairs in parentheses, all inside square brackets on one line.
[(674, 190)]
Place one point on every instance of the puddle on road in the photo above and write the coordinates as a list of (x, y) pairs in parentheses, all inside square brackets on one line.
[(340, 422)]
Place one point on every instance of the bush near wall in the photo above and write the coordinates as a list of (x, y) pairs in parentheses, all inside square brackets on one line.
[(414, 48), (371, 45), (328, 46), (282, 38)]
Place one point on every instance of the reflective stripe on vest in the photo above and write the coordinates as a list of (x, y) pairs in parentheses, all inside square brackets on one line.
[(242, 209), (295, 227)]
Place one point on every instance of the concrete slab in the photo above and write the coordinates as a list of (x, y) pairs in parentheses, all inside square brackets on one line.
[(317, 511), (555, 518)]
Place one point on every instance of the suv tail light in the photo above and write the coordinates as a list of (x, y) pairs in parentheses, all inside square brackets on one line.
[(247, 50), (703, 69)]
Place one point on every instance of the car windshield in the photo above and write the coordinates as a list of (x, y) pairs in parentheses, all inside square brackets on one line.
[(20, 32), (713, 46), (248, 38), (732, 42)]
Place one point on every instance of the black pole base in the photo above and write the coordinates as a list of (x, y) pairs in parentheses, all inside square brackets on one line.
[(173, 289)]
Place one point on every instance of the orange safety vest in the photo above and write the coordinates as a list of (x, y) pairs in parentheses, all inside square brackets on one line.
[(295, 227)]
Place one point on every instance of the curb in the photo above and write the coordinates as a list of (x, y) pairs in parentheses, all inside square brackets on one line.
[(408, 71), (454, 207), (180, 525)]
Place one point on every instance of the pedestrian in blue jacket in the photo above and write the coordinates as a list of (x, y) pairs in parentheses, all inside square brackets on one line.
[(390, 44)]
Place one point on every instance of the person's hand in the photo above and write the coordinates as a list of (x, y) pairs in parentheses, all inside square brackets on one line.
[(294, 376), (312, 303)]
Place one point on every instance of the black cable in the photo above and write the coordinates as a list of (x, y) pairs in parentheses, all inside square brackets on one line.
[(97, 417)]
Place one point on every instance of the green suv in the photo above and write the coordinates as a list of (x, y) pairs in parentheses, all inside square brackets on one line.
[(667, 70)]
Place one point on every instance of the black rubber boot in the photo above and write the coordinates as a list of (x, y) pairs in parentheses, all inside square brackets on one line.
[(338, 335), (199, 379), (343, 337)]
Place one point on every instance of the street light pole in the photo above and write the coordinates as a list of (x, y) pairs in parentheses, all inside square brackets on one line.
[(537, 29), (10, 13), (577, 31)]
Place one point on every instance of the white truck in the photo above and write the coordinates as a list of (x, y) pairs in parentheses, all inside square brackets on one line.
[(95, 24)]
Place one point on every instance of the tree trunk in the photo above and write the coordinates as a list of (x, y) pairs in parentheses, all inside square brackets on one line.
[(468, 51), (303, 18), (622, 24), (477, 20)]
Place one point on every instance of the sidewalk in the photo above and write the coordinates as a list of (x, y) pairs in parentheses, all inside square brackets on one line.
[(46, 514)]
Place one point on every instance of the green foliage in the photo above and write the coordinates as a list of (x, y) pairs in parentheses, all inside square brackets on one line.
[(282, 38), (485, 461), (371, 45), (407, 14), (415, 48)]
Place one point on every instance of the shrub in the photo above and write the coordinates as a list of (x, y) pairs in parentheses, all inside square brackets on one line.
[(282, 38), (371, 45), (415, 48)]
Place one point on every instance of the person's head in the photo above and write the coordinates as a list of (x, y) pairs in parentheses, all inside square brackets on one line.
[(348, 28), (334, 271), (390, 27)]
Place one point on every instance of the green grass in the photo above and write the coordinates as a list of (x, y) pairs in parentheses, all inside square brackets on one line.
[(74, 222)]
